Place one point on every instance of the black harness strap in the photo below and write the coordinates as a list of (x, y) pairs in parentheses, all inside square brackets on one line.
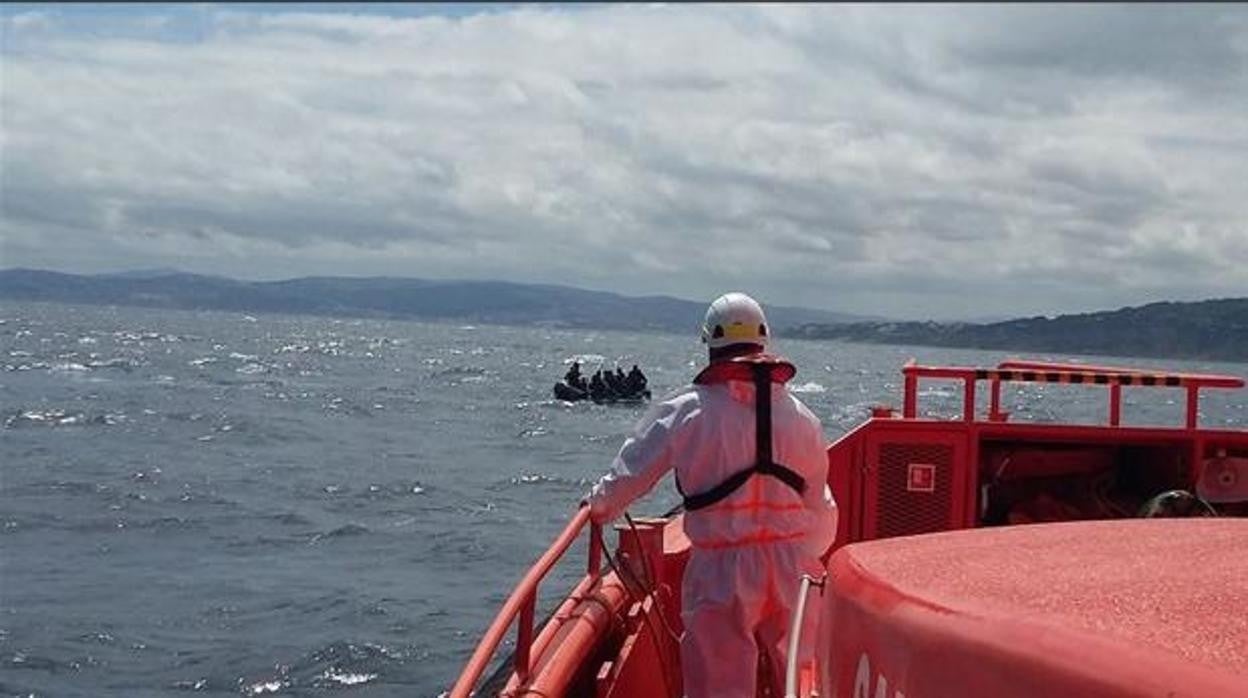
[(763, 463)]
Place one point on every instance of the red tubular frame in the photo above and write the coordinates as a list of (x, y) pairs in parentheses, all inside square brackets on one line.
[(521, 604), (1045, 372)]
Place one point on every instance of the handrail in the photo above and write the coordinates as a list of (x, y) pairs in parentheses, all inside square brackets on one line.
[(1206, 380), (1046, 372), (795, 633), (522, 602)]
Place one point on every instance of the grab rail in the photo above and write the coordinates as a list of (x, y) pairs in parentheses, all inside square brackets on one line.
[(522, 603), (1044, 372), (795, 633)]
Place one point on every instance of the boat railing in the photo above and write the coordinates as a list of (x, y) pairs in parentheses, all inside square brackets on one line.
[(522, 603), (1072, 374), (796, 624)]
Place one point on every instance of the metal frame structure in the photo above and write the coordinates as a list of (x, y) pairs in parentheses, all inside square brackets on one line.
[(1074, 374)]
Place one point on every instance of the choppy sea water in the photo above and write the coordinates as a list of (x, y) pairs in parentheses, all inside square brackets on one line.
[(213, 503)]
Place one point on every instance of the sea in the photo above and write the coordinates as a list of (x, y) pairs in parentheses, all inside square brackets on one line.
[(217, 503)]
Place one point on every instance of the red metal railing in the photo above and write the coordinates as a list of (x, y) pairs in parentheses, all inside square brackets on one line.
[(1045, 372), (522, 603)]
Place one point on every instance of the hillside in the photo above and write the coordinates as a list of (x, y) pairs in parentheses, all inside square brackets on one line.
[(467, 301), (1212, 329)]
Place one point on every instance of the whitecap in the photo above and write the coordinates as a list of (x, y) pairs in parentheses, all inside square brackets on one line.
[(204, 360), (529, 479), (68, 367), (809, 387), (936, 392), (260, 688), (250, 369), (243, 357), (585, 359), (125, 364), (347, 678)]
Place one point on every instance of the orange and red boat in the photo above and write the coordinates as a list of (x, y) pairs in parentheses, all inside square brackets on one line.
[(974, 557)]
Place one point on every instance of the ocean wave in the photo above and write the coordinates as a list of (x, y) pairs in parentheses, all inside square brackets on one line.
[(545, 479), (165, 523), (124, 364), (22, 660), (378, 492), (56, 418), (287, 518), (461, 371), (345, 531), (68, 367), (585, 359), (810, 387), (265, 687)]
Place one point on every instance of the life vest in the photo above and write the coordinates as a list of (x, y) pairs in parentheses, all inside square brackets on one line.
[(762, 370)]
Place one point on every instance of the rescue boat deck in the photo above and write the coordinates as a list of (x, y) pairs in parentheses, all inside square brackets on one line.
[(1102, 598)]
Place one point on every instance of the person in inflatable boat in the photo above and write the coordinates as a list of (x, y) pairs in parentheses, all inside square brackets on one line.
[(757, 510)]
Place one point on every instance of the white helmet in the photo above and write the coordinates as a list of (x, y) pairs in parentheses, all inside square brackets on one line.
[(734, 318)]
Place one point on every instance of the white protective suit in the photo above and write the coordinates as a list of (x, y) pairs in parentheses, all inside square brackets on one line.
[(749, 550)]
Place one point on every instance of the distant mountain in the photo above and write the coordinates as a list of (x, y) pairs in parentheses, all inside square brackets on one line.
[(1212, 329), (143, 273), (467, 301)]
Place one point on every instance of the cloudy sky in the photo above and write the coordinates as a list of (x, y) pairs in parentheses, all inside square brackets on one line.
[(910, 161)]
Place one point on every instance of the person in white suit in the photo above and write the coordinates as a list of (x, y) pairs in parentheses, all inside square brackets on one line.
[(751, 463)]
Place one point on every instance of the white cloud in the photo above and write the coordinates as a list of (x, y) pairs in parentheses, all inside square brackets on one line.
[(901, 160)]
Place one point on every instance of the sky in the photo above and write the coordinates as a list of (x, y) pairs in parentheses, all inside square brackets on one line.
[(909, 161)]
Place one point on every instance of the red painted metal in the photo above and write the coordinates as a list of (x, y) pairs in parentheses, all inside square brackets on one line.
[(1043, 372), (524, 636), (910, 404), (520, 603), (994, 408), (890, 505), (568, 642), (968, 400), (1113, 609), (1115, 405), (1193, 403), (1209, 380)]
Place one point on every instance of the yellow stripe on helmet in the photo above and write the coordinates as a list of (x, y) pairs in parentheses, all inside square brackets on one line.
[(739, 330)]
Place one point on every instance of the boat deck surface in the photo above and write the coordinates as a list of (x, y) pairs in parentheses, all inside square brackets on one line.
[(1151, 588)]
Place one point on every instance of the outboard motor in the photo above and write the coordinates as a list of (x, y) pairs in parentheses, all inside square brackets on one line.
[(1176, 504)]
